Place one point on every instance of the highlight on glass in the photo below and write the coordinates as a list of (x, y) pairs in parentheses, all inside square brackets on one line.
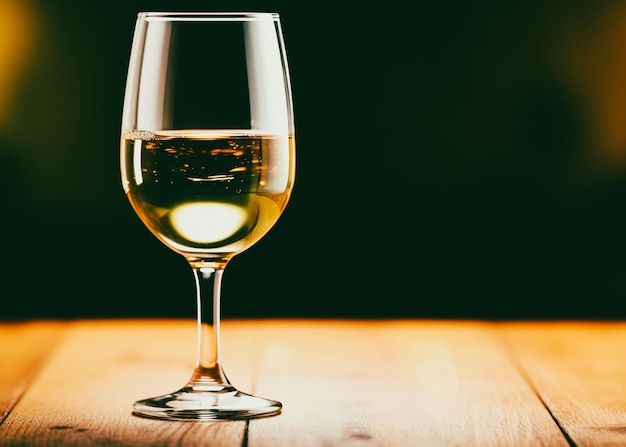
[(208, 164)]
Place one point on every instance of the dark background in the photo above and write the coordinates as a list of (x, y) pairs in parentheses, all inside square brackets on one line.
[(455, 160)]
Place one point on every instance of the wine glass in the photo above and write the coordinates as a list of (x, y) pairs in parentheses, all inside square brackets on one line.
[(207, 162)]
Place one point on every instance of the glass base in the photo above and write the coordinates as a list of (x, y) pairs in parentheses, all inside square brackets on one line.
[(204, 403)]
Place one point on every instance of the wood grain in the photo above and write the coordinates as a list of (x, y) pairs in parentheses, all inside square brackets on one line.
[(396, 384), (579, 370), (23, 349), (342, 383), (84, 395)]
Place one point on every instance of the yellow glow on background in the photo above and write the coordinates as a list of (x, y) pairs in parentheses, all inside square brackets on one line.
[(592, 55), (16, 36)]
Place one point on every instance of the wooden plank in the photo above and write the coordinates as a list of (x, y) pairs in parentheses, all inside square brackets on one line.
[(84, 395), (23, 349), (395, 383), (343, 383), (579, 370)]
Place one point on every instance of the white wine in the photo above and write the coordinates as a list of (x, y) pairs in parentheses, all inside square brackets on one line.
[(207, 193)]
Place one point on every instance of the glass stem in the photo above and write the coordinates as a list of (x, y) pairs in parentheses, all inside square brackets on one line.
[(208, 374)]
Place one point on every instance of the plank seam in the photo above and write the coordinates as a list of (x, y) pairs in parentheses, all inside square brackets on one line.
[(34, 372), (522, 371), (567, 437)]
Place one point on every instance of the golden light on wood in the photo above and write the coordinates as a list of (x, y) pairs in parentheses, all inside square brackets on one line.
[(342, 382)]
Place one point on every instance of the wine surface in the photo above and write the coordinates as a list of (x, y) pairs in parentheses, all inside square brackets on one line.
[(207, 193)]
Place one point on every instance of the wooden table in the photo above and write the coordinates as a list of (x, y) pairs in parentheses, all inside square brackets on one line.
[(342, 383)]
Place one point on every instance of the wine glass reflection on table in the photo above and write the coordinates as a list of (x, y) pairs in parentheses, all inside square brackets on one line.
[(208, 164)]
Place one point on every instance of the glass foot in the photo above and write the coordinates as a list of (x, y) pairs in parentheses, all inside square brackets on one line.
[(203, 403)]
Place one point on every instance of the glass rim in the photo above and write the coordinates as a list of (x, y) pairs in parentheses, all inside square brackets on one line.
[(206, 16)]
